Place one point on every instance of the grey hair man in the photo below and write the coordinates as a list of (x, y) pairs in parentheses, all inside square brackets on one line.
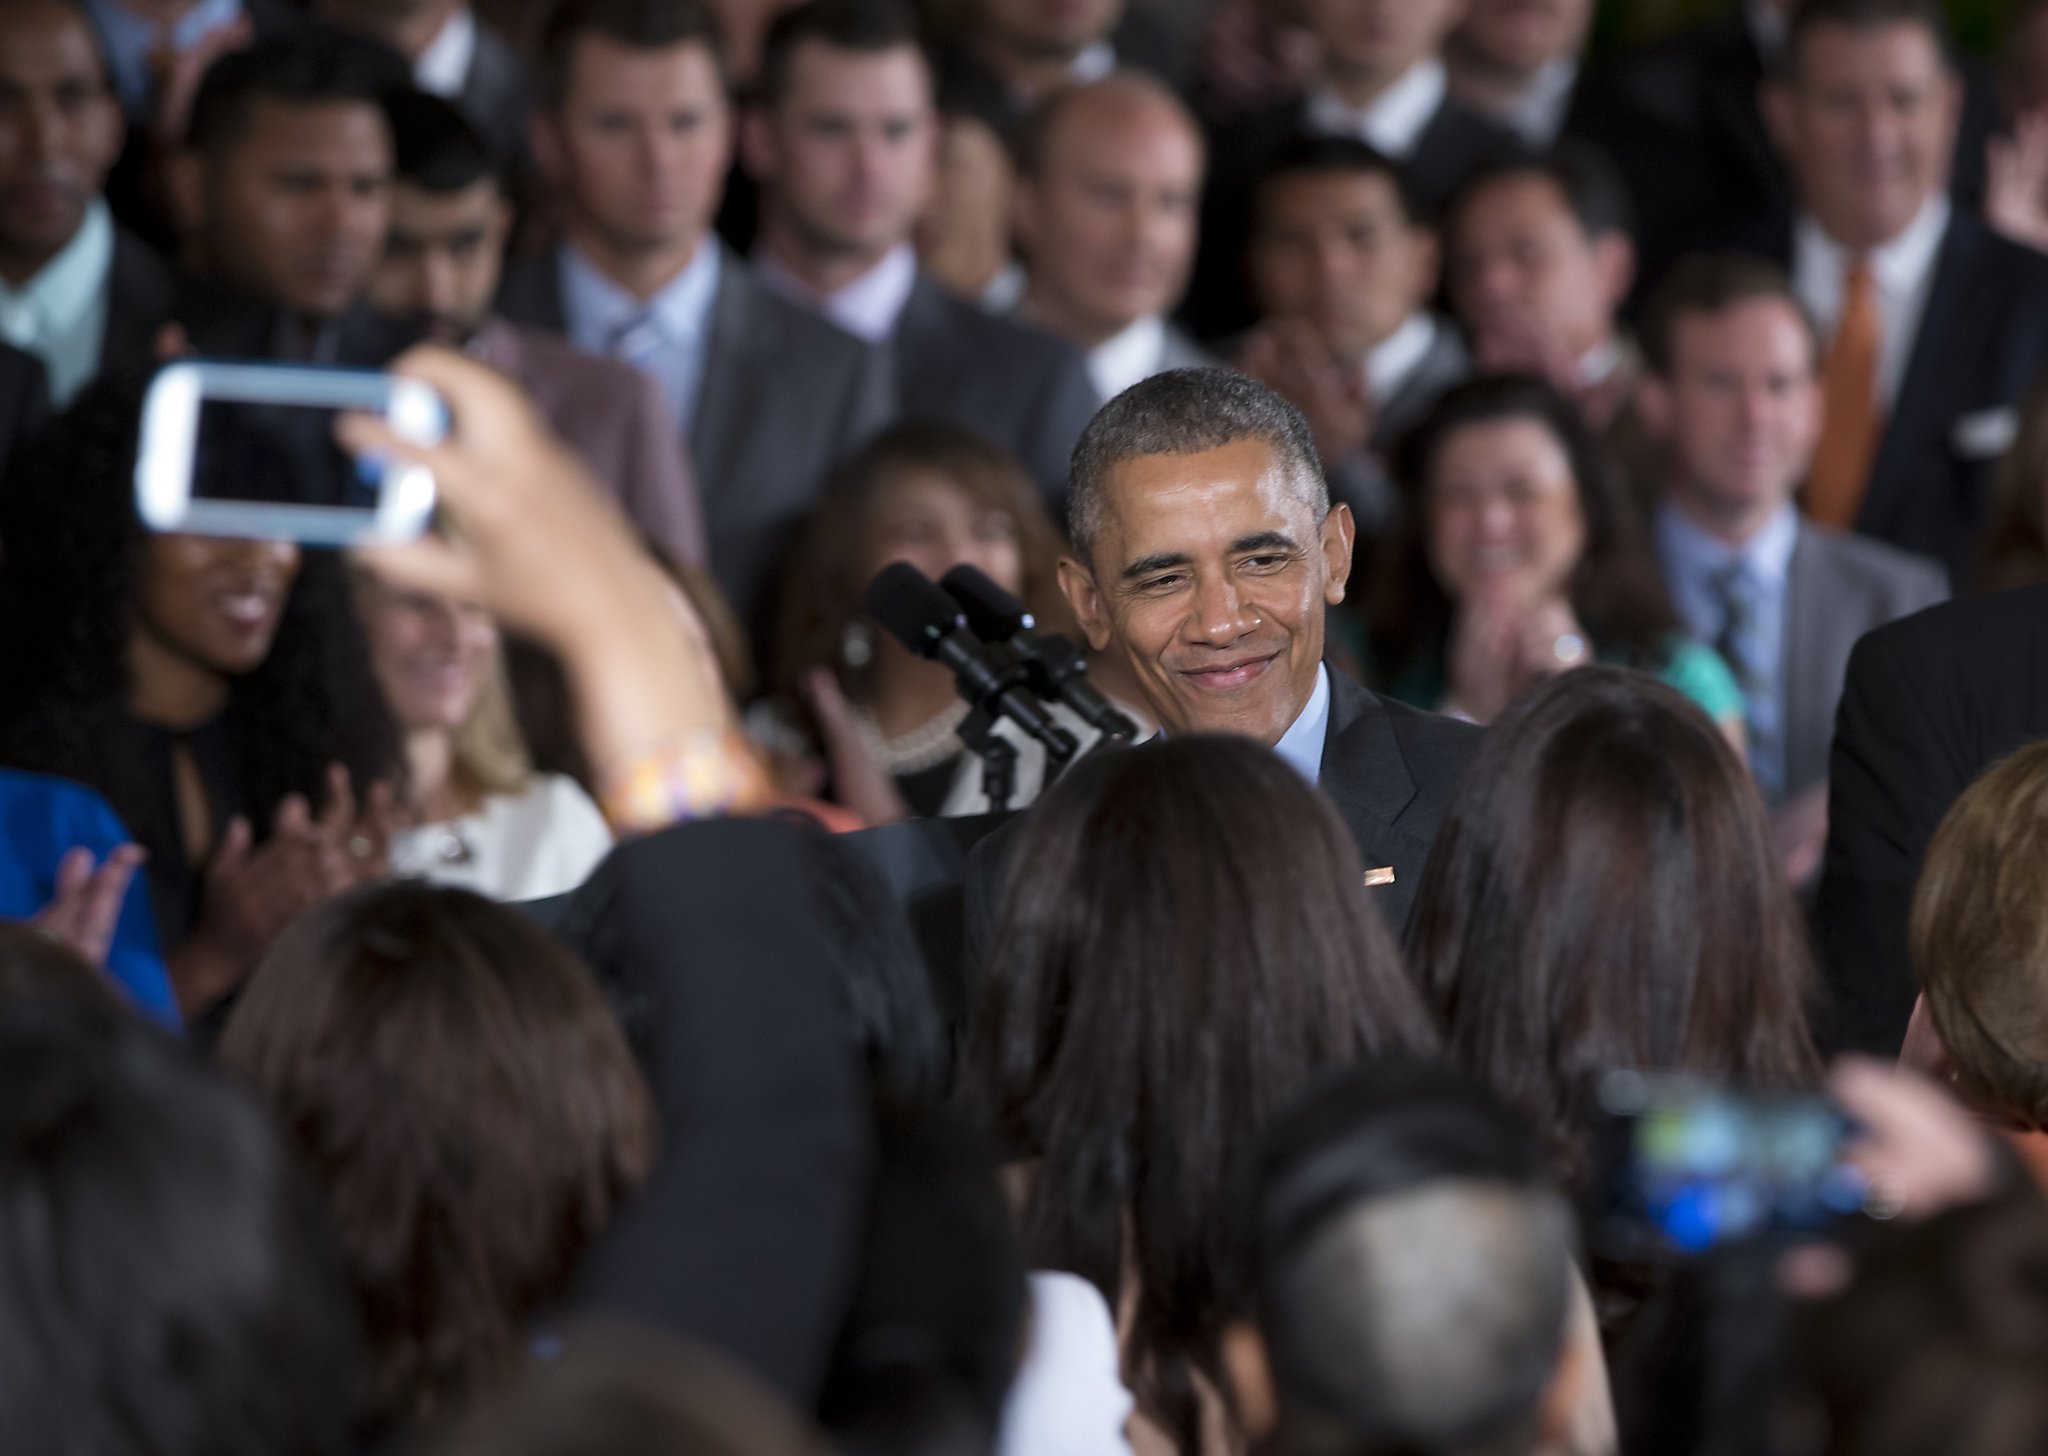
[(1416, 1289)]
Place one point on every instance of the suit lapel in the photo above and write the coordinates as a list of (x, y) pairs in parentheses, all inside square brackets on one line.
[(1803, 681), (729, 375), (531, 293), (140, 297), (1921, 390), (1366, 777)]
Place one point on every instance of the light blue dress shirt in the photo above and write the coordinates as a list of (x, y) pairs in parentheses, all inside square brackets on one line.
[(665, 336), (1693, 560), (127, 40), (1302, 744), (60, 315)]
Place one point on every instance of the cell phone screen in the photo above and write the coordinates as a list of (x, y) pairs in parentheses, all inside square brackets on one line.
[(1689, 1167), (278, 454)]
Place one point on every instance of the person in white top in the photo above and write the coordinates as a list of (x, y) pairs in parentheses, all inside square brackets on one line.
[(1516, 62), (480, 818), (1107, 215)]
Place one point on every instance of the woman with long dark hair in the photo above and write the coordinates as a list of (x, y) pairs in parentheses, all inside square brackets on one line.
[(1605, 893), (1187, 943), (216, 691), (1520, 557)]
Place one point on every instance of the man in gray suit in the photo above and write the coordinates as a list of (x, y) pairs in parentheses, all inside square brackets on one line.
[(1344, 263), (1107, 206), (442, 259), (1732, 400), (844, 143), (634, 134)]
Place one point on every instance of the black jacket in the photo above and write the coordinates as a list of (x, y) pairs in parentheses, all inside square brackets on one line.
[(1930, 702), (1390, 771)]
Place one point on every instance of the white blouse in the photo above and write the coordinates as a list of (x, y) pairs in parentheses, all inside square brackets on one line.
[(527, 846)]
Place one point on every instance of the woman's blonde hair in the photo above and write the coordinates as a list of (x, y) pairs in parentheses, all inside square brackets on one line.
[(1979, 938), (490, 755)]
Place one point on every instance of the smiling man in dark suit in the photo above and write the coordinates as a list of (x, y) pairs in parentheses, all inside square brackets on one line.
[(1935, 327), (844, 143), (77, 290), (1206, 552)]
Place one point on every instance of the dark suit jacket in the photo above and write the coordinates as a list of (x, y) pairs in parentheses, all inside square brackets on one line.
[(1838, 587), (1682, 121), (613, 416), (1018, 385), (1390, 771), (1983, 339), (708, 942), (141, 295), (497, 94), (1929, 703), (24, 400), (1220, 303), (785, 397), (221, 322)]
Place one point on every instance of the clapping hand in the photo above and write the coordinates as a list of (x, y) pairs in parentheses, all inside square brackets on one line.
[(86, 907)]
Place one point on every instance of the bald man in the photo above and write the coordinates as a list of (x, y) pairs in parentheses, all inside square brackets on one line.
[(1106, 213)]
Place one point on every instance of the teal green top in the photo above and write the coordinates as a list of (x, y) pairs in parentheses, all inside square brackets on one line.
[(1693, 668)]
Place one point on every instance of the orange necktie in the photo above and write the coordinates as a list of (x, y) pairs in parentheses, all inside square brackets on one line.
[(1848, 440)]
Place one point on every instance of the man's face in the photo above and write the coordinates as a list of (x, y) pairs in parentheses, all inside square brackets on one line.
[(1377, 40), (1053, 29), (1867, 123), (849, 151), (1337, 249), (1110, 220), (442, 257), (1211, 573), (1741, 411), (639, 147), (60, 127), (1518, 260), (295, 211), (1522, 36)]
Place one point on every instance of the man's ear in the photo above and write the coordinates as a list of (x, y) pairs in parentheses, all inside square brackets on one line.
[(1024, 206), (185, 191), (1774, 100), (1250, 1376), (1653, 405), (1077, 583), (1615, 254), (1340, 536), (544, 140), (758, 151)]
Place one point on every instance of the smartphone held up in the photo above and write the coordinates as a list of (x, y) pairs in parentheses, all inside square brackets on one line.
[(234, 449)]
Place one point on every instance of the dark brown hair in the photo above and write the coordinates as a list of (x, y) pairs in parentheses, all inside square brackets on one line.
[(641, 25), (2015, 542), (472, 1107), (1604, 893), (1615, 590), (1713, 283), (1938, 1344), (1980, 939), (1187, 943), (33, 963), (828, 573)]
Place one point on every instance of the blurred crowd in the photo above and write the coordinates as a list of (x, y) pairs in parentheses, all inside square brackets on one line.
[(1561, 542)]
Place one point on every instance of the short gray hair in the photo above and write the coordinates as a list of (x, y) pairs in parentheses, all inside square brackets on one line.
[(1185, 412)]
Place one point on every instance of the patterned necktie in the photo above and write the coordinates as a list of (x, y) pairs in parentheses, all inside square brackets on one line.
[(636, 340), (1738, 596), (1848, 441)]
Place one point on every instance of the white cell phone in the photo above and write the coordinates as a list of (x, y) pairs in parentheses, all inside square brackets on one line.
[(232, 449)]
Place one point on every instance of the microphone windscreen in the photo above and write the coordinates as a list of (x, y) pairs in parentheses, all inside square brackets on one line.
[(992, 613), (910, 609)]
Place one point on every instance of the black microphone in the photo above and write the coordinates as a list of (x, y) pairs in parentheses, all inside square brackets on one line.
[(1053, 665), (929, 623)]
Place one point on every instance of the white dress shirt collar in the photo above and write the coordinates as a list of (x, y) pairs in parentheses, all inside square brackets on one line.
[(867, 308), (1129, 358), (443, 67), (1394, 358), (1393, 123), (60, 313), (1903, 270), (598, 307), (1092, 65), (1536, 115)]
